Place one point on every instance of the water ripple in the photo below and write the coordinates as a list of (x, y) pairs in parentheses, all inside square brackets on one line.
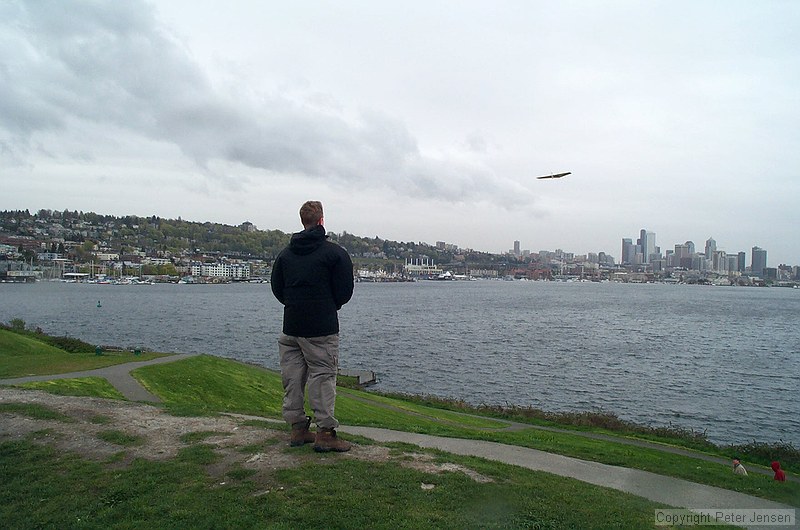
[(722, 359)]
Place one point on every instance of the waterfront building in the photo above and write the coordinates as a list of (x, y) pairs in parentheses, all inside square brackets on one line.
[(740, 261), (483, 273), (422, 267), (234, 271), (758, 261)]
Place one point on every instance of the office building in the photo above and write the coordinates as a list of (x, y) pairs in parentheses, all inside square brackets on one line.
[(719, 261), (647, 240), (628, 251), (711, 247), (758, 261)]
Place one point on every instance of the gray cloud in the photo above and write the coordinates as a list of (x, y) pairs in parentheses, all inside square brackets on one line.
[(113, 63)]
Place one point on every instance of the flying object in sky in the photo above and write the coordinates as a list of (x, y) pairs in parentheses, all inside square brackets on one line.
[(556, 176)]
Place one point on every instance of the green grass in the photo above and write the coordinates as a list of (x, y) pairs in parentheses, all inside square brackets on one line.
[(35, 411), (199, 454), (213, 384), (44, 488), (609, 425), (441, 415), (653, 460), (179, 493), (210, 384), (100, 419), (80, 386), (21, 356)]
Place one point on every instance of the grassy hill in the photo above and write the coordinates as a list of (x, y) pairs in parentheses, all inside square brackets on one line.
[(211, 482), (24, 354)]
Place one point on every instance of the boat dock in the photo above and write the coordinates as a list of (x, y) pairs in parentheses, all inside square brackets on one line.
[(365, 377)]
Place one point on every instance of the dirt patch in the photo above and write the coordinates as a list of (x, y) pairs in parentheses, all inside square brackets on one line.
[(258, 449), (425, 463)]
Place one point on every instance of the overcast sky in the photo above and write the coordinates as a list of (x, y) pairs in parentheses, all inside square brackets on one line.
[(414, 121)]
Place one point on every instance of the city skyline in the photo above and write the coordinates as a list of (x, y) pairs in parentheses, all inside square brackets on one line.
[(710, 246), (684, 255)]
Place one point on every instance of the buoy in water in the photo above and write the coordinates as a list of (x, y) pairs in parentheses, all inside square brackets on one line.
[(98, 304)]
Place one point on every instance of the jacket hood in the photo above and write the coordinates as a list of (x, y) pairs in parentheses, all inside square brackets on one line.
[(776, 466), (307, 241)]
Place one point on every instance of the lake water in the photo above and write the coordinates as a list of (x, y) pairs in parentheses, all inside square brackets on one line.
[(716, 358)]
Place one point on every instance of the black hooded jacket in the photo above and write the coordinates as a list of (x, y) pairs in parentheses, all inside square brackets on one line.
[(313, 279)]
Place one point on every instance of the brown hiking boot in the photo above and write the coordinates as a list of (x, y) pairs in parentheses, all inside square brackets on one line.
[(300, 433), (327, 441)]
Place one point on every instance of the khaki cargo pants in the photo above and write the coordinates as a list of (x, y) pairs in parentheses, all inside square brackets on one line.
[(312, 360)]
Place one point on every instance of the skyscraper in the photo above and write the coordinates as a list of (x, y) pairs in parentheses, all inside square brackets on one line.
[(719, 261), (647, 240), (758, 261), (516, 248), (711, 246), (628, 251), (680, 256)]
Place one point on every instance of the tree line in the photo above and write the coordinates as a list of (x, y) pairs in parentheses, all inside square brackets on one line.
[(157, 235)]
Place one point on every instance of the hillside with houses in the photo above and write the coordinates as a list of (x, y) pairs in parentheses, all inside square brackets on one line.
[(72, 244)]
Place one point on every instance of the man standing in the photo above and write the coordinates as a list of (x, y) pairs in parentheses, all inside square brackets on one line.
[(313, 279)]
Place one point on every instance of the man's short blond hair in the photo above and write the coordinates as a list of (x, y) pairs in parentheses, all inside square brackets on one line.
[(310, 213)]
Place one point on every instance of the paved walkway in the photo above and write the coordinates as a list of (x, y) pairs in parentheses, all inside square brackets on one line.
[(658, 488), (119, 375), (636, 442), (667, 490)]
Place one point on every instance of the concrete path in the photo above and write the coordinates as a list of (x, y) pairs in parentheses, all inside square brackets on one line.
[(667, 490), (119, 375), (637, 442)]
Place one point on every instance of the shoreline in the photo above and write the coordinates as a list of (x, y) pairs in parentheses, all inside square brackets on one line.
[(669, 440)]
